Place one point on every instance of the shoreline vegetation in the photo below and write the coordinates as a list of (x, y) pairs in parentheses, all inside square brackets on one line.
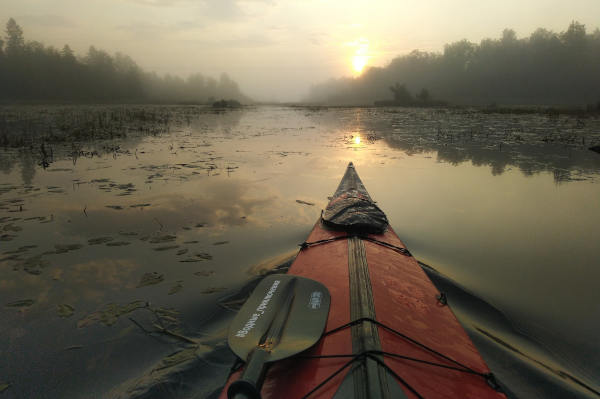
[(588, 111), (546, 69), (403, 98), (32, 73)]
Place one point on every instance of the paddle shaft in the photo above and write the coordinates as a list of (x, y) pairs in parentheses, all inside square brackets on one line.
[(248, 386)]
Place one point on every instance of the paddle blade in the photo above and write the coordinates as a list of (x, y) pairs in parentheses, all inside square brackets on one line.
[(303, 324)]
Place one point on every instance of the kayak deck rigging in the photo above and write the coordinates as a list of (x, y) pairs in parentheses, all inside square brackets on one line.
[(402, 250), (488, 377)]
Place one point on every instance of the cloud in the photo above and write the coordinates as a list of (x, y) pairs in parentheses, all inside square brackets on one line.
[(318, 38), (222, 9), (144, 31), (151, 31), (47, 21), (161, 3), (250, 41), (211, 9)]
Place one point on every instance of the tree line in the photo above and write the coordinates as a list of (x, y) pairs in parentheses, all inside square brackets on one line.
[(546, 68), (31, 71)]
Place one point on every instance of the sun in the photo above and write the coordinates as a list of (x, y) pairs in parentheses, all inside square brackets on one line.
[(360, 58), (359, 62)]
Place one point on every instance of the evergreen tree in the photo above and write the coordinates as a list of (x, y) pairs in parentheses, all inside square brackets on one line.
[(14, 37), (67, 54)]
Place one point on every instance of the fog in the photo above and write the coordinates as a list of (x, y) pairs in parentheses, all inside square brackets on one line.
[(30, 71), (276, 50), (546, 68)]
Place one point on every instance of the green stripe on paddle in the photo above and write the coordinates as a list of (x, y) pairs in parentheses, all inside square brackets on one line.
[(285, 315)]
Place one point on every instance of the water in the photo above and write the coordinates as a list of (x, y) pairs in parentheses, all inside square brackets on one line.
[(123, 256)]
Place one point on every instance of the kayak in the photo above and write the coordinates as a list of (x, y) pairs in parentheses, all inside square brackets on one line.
[(355, 317)]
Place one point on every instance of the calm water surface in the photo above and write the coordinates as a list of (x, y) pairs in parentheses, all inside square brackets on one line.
[(123, 260)]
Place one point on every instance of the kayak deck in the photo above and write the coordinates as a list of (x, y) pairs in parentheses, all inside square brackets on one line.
[(387, 334)]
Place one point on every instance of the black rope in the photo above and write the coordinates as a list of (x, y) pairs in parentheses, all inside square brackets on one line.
[(434, 364), (326, 380), (372, 354), (396, 376), (305, 244), (398, 356), (355, 358), (401, 250), (413, 341)]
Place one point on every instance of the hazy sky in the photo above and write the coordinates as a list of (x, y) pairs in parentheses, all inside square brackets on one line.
[(276, 49)]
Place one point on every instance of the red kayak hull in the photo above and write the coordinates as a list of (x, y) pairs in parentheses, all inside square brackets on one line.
[(405, 300)]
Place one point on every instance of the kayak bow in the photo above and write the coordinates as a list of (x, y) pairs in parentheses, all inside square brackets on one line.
[(388, 333)]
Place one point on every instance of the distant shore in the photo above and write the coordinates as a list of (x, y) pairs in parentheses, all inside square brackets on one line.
[(584, 111)]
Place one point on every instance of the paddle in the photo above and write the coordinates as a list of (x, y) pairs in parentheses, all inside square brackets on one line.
[(285, 315)]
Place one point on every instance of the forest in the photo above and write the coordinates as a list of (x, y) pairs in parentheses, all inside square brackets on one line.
[(33, 72), (546, 68)]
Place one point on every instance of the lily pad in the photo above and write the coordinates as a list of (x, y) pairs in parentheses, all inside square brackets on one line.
[(139, 205), (38, 218), (99, 240), (176, 288), (203, 256), (23, 303), (220, 242), (4, 386), (190, 260), (65, 310), (212, 290), (162, 239), (176, 358), (204, 273), (34, 265), (150, 279), (305, 202), (12, 227), (19, 250), (115, 207), (182, 251), (117, 243), (169, 313), (166, 248), (62, 248), (110, 313), (7, 237), (128, 186)]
